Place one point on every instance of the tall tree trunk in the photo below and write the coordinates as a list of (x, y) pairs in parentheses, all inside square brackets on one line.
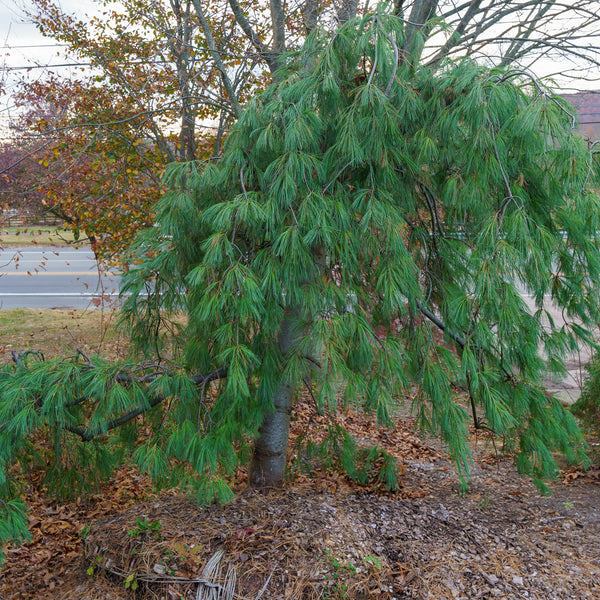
[(347, 10), (422, 11), (180, 46), (310, 14), (267, 468), (216, 54)]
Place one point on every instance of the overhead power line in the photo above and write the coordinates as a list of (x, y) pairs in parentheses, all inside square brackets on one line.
[(32, 67), (12, 47), (80, 64)]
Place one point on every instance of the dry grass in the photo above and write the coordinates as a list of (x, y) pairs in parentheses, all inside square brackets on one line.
[(56, 332), (35, 236)]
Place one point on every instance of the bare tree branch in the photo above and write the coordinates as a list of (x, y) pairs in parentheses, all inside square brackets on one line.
[(267, 54), (232, 97)]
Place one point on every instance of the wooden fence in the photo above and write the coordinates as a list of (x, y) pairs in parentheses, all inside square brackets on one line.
[(29, 220)]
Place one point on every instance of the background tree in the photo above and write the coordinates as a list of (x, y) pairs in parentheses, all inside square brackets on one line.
[(21, 171), (20, 174), (137, 107), (171, 73), (101, 182)]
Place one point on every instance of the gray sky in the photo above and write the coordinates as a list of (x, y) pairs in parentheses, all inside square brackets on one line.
[(22, 46), (19, 37)]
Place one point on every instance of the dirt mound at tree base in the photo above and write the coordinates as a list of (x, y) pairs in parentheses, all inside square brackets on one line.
[(323, 537), (503, 540)]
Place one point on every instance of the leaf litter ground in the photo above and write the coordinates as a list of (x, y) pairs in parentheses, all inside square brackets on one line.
[(322, 537)]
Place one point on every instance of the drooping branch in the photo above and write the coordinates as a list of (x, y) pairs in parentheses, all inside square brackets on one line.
[(441, 325), (19, 357), (88, 435)]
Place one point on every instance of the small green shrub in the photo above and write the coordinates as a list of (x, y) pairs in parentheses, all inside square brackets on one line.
[(143, 527)]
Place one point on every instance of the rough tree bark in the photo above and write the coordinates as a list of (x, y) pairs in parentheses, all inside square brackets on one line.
[(267, 468)]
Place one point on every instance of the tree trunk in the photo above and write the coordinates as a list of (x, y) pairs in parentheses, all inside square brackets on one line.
[(310, 14), (267, 468), (347, 11)]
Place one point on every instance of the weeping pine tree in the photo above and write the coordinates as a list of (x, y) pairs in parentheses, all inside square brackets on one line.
[(373, 224), (371, 228)]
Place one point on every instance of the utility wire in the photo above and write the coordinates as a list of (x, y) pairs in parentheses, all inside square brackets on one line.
[(13, 47)]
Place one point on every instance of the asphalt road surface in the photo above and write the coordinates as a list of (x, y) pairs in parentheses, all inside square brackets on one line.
[(568, 389), (54, 277)]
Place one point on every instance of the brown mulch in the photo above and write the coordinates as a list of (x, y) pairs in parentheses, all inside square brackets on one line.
[(323, 537), (40, 568)]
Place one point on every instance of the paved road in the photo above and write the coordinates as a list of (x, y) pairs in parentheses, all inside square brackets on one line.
[(53, 277), (568, 389)]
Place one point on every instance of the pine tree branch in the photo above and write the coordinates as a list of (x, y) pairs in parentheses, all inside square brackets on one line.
[(433, 211), (86, 357), (212, 376), (87, 436), (541, 91), (19, 356), (477, 423), (441, 325), (389, 38), (460, 340), (122, 378)]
